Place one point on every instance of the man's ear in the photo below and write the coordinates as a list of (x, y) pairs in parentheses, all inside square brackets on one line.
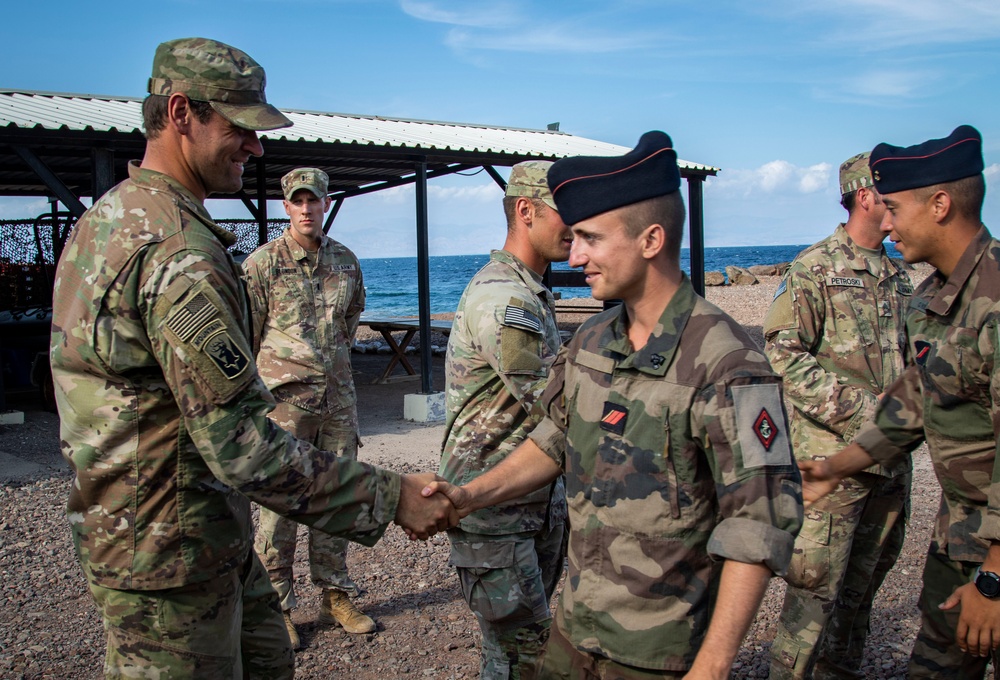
[(525, 210), (653, 240), (941, 206), (179, 113)]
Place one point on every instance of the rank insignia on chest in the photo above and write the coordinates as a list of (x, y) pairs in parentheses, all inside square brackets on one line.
[(765, 429), (923, 350), (614, 418)]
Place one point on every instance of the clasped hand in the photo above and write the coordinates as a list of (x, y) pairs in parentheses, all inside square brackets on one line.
[(421, 516)]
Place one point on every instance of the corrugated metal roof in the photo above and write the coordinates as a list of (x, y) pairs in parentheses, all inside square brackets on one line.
[(62, 111)]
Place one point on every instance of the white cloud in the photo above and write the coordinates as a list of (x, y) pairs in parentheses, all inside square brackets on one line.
[(477, 14), (774, 177), (992, 171)]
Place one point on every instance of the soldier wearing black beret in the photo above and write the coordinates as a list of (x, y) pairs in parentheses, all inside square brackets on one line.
[(949, 395), (668, 423)]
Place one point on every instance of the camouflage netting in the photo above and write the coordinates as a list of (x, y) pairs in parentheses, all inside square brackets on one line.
[(27, 262)]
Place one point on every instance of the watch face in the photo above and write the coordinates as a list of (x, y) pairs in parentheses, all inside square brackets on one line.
[(988, 584)]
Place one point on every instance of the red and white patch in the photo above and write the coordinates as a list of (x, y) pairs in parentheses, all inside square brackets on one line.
[(765, 429)]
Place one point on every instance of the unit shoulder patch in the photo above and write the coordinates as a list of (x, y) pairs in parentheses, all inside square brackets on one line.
[(760, 427)]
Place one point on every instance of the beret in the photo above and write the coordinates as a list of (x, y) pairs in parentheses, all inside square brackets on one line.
[(896, 168), (584, 186)]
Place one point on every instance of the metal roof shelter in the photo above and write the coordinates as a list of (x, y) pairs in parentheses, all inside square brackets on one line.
[(75, 145)]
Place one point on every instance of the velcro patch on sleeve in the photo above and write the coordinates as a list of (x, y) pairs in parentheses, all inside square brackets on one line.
[(760, 426), (521, 351), (208, 341), (519, 317)]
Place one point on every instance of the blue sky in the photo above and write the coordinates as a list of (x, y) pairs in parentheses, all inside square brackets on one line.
[(775, 93)]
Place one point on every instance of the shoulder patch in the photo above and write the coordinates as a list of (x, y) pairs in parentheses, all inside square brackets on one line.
[(850, 281), (781, 289), (521, 318), (760, 426)]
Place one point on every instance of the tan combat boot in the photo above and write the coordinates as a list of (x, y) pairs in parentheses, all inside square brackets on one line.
[(293, 635), (338, 608)]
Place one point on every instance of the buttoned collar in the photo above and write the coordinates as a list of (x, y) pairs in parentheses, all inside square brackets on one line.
[(951, 288)]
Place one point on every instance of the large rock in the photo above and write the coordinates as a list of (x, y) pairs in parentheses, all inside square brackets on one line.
[(715, 279), (763, 270), (738, 276)]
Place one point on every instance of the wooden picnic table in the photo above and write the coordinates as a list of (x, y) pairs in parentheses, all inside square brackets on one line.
[(409, 327)]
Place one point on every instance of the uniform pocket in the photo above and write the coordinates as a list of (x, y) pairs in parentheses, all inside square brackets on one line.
[(491, 581), (809, 568)]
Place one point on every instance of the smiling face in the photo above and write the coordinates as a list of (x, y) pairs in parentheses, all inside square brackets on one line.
[(305, 210), (611, 259), (218, 152), (909, 222)]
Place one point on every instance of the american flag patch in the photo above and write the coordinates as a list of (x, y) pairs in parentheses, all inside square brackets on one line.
[(186, 321), (521, 318)]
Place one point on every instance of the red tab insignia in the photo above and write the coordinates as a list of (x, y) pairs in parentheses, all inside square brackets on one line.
[(765, 429), (614, 418), (922, 348)]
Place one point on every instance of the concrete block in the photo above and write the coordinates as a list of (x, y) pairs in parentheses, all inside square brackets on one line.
[(11, 417), (424, 408)]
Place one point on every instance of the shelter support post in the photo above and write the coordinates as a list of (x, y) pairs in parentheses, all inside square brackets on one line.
[(102, 170), (60, 190), (491, 171), (261, 201), (333, 215), (423, 280), (696, 227)]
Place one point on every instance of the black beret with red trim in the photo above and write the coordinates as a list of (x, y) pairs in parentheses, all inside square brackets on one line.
[(896, 168), (584, 186)]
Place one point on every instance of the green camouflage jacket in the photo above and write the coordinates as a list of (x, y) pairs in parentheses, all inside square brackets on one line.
[(163, 416), (836, 333), (304, 319), (677, 457), (950, 395), (504, 339)]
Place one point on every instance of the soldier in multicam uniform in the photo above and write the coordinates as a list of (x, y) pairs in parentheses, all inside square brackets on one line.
[(504, 339), (682, 491), (307, 295), (163, 415), (835, 333), (949, 395)]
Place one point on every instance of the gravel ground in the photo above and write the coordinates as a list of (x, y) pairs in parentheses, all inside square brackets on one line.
[(49, 627)]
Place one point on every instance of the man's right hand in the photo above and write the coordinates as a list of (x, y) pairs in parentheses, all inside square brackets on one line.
[(817, 480), (420, 516)]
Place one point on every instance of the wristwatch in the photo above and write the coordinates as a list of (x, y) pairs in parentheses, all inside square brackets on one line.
[(987, 583)]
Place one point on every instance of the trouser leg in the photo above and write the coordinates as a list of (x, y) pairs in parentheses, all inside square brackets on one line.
[(508, 588), (819, 563), (197, 630), (878, 540)]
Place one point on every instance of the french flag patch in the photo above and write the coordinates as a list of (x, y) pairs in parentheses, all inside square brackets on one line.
[(614, 418)]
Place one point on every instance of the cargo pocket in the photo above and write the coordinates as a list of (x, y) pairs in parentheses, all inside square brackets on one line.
[(810, 565), (491, 581)]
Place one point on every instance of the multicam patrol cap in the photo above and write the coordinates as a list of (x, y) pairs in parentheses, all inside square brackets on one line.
[(854, 174), (210, 71), (529, 179), (313, 179)]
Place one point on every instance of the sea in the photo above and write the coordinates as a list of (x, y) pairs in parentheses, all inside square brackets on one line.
[(391, 283)]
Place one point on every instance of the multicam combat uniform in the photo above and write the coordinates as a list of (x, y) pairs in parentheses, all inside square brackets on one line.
[(306, 308), (835, 332), (504, 339), (676, 457), (950, 395), (164, 420)]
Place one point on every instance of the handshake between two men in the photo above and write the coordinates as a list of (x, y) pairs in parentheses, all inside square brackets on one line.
[(421, 512)]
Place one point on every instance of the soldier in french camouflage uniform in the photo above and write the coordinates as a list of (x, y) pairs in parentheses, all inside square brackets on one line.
[(504, 339), (668, 422), (163, 415), (306, 296), (835, 333), (949, 395)]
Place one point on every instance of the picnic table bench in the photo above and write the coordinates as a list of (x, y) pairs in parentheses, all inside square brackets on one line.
[(409, 327)]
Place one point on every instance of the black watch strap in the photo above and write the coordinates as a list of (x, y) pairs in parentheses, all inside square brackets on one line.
[(987, 583)]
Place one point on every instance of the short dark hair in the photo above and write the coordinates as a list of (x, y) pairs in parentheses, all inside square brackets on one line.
[(849, 200), (154, 113), (667, 211), (967, 195), (510, 201)]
